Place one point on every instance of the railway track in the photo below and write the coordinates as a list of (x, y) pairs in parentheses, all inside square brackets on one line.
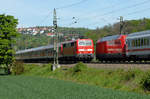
[(141, 66), (117, 65)]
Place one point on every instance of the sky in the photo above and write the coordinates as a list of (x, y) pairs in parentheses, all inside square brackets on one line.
[(86, 13)]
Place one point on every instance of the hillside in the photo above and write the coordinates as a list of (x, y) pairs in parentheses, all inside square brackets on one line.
[(130, 26), (26, 41)]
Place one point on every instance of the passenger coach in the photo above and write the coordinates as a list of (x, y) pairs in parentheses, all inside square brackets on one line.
[(138, 46)]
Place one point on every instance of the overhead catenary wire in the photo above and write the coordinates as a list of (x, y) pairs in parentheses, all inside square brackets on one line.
[(120, 9), (63, 7), (114, 11), (125, 15), (71, 5), (107, 13)]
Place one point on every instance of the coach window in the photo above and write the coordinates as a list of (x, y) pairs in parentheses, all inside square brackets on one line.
[(147, 41), (138, 42), (142, 42), (128, 42), (133, 43), (72, 44), (64, 45)]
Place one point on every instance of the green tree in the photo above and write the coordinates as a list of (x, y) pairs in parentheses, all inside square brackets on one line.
[(8, 32)]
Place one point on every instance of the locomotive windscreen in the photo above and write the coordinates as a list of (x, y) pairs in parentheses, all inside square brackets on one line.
[(85, 43)]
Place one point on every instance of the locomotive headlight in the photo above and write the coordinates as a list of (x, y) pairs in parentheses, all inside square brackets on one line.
[(85, 49), (81, 50), (89, 49)]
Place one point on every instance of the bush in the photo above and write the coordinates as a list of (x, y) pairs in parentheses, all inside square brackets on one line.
[(130, 74), (18, 67), (145, 82), (79, 67)]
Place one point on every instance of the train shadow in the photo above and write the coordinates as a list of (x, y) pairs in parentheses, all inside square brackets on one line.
[(121, 62)]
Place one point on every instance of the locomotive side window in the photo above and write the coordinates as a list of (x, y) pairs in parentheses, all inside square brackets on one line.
[(117, 42)]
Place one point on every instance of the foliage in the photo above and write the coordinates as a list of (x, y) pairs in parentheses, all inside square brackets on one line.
[(79, 67), (27, 41), (7, 34), (42, 70), (18, 68), (145, 82)]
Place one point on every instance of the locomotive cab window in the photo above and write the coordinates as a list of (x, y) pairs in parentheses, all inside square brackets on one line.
[(85, 43)]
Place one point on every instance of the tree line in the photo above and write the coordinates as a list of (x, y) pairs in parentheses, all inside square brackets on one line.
[(8, 33)]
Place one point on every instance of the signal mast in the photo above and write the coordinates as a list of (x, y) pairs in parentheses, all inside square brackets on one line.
[(55, 43)]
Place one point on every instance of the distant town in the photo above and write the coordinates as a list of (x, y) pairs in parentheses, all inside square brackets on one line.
[(66, 33), (37, 30)]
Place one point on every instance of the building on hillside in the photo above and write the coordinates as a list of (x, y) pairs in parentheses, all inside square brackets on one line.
[(50, 34)]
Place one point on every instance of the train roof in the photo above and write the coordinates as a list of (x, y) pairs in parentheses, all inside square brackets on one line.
[(139, 34), (34, 49), (44, 47), (109, 38)]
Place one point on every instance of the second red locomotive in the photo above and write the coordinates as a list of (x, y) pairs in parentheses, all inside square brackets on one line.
[(111, 48)]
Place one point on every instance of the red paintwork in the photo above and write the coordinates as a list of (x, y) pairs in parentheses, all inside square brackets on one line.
[(111, 47)]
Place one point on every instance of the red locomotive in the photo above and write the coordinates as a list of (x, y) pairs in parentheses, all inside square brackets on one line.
[(81, 49), (111, 48)]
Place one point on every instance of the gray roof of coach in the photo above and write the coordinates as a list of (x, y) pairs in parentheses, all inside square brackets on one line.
[(109, 38), (41, 48), (139, 33), (34, 49)]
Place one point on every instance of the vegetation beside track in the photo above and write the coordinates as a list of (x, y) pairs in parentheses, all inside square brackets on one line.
[(132, 80)]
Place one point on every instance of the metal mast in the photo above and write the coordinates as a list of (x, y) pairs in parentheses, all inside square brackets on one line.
[(121, 24), (55, 43)]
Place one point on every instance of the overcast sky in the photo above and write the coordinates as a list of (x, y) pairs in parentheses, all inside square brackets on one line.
[(87, 13)]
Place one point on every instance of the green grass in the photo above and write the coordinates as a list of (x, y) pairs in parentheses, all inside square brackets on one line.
[(124, 80), (31, 87)]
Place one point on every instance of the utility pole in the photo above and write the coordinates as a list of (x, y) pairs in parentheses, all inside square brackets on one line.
[(121, 25), (55, 43)]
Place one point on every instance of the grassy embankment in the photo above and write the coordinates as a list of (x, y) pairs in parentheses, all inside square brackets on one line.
[(31, 87), (127, 80)]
